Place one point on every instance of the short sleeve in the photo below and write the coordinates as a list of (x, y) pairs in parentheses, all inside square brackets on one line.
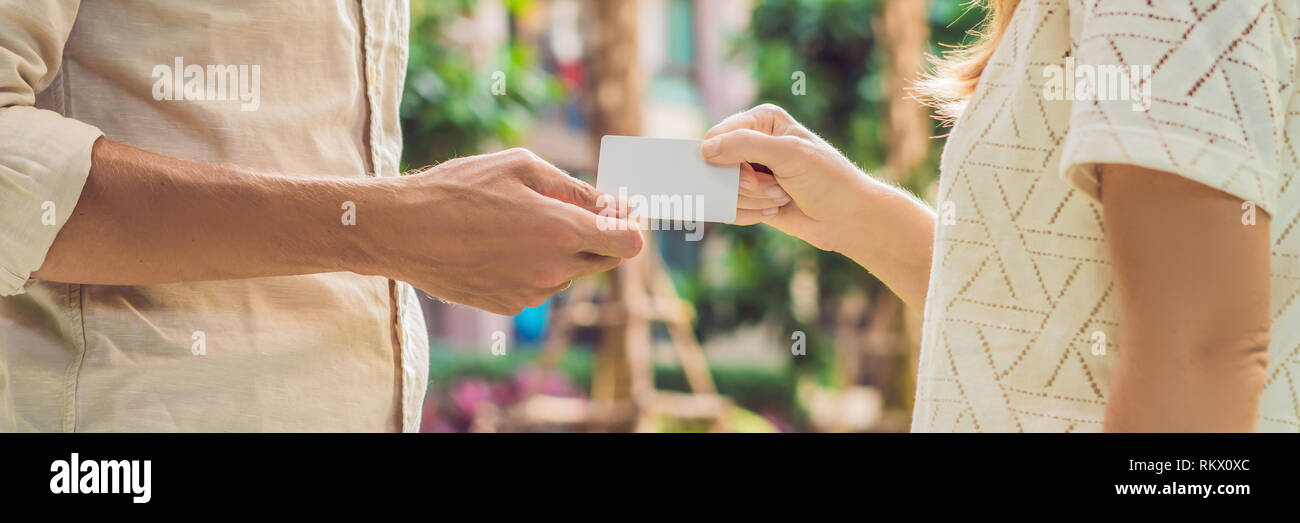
[(44, 156), (1196, 89)]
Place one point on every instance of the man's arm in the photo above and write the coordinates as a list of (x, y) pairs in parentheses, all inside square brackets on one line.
[(144, 219), (491, 231), (498, 232), (1193, 286)]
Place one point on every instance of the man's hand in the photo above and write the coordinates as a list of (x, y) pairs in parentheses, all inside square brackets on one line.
[(499, 232)]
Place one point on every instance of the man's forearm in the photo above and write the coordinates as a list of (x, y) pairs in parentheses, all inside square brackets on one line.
[(145, 219), (499, 231)]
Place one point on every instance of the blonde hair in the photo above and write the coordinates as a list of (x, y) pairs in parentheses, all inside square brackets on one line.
[(956, 74)]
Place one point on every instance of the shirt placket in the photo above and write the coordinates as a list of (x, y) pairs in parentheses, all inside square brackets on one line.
[(376, 17), (373, 131), (371, 21)]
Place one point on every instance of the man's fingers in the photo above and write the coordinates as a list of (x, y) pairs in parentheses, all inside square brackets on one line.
[(605, 234), (492, 304), (744, 145), (613, 206), (548, 180), (502, 309), (588, 263), (618, 238)]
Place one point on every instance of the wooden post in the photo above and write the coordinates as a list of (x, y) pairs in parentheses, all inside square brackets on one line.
[(905, 34), (640, 291), (615, 69), (615, 79)]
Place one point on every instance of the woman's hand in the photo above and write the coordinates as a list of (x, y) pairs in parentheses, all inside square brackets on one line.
[(808, 186), (814, 193)]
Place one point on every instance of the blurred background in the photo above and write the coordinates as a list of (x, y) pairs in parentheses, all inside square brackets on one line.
[(746, 330)]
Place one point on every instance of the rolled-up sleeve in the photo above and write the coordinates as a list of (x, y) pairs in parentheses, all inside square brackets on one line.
[(44, 156), (1216, 107)]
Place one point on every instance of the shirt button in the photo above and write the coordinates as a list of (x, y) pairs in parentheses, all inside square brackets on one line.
[(370, 74)]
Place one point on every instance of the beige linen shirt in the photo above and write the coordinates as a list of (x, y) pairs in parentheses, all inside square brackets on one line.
[(1021, 325), (319, 83)]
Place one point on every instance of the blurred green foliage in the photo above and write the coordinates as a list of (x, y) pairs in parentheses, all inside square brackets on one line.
[(833, 43), (448, 108)]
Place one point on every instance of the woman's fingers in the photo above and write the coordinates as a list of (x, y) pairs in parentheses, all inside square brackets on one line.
[(766, 118), (782, 154), (754, 184), (758, 204), (742, 120), (747, 139), (759, 192), (751, 217)]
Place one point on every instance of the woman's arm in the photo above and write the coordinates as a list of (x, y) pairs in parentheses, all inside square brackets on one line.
[(1192, 277), (816, 194)]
